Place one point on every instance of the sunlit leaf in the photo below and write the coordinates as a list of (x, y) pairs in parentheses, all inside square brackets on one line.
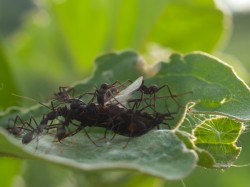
[(216, 89), (218, 136), (205, 159)]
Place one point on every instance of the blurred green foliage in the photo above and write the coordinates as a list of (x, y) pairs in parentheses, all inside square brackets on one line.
[(8, 84), (58, 41)]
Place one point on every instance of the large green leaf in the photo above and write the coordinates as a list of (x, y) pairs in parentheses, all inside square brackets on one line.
[(216, 89), (159, 153), (179, 25), (145, 154)]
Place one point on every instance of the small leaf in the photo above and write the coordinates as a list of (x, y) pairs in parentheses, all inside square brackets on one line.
[(218, 137), (158, 153), (205, 159)]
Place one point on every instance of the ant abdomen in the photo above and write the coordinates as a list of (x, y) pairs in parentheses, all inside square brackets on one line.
[(28, 137)]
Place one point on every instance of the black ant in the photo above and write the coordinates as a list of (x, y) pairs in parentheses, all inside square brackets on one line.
[(107, 91), (64, 93), (114, 116), (16, 130), (122, 121), (153, 89), (26, 126)]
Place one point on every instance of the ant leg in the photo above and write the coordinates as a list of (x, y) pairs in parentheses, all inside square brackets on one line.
[(90, 138), (166, 124), (118, 103), (120, 83), (69, 90), (81, 127), (16, 130), (117, 130), (32, 119), (36, 130), (127, 143), (28, 137), (173, 96), (148, 106), (104, 136), (64, 93), (89, 93), (113, 136)]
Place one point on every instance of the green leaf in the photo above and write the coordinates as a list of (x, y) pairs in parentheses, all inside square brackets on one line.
[(117, 24), (216, 89), (7, 82), (182, 25), (10, 167), (218, 136), (111, 67), (205, 159), (158, 153)]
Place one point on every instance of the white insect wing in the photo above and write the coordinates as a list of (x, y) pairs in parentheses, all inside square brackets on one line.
[(122, 97)]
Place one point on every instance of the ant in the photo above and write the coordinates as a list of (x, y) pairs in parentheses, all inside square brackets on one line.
[(114, 116), (16, 130), (107, 91), (64, 93), (153, 89), (123, 121), (26, 126), (136, 122), (77, 110)]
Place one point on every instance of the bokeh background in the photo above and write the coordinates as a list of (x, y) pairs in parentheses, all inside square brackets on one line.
[(44, 44)]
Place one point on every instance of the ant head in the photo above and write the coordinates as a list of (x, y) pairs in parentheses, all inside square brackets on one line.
[(16, 131), (76, 104), (61, 96), (104, 86), (154, 88)]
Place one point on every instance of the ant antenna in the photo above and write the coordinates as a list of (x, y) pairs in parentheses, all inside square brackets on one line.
[(31, 99)]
